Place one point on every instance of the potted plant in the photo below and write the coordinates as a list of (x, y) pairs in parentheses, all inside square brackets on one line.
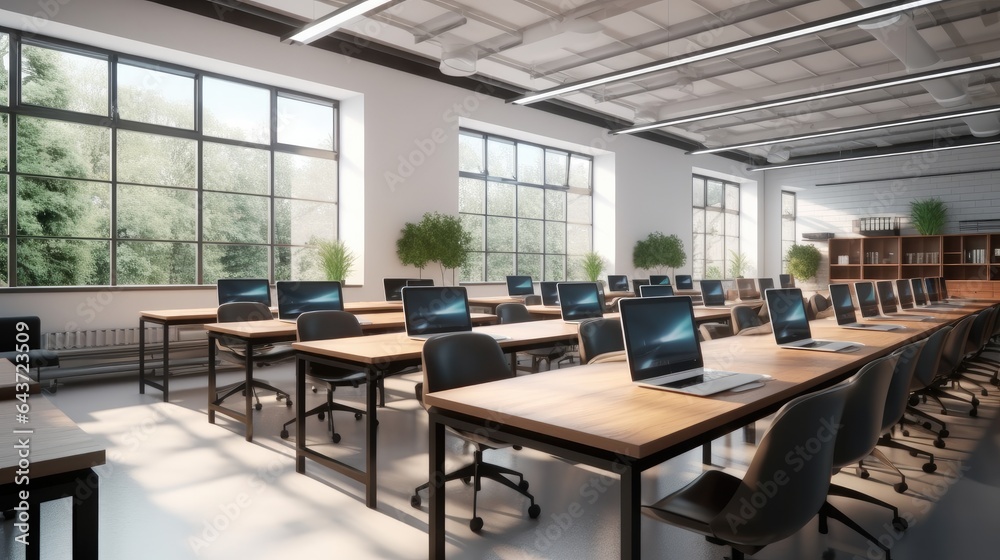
[(335, 258), (593, 265), (803, 261), (738, 264), (928, 216), (436, 238), (658, 251)]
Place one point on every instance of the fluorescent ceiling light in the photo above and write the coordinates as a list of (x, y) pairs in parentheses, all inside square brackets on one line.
[(330, 22), (739, 46), (873, 156), (862, 128), (919, 77)]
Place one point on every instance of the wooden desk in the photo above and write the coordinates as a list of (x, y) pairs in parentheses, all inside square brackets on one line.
[(594, 415), (701, 314), (62, 458), (491, 302)]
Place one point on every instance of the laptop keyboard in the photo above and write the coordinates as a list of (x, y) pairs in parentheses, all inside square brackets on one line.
[(814, 344)]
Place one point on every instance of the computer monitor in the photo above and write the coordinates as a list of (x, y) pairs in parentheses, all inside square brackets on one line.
[(550, 293), (944, 288), (244, 289), (786, 281), (639, 282), (420, 282), (886, 296), (764, 284), (660, 338), (712, 293), (518, 286), (655, 290), (843, 305), (393, 287), (788, 315), (905, 293), (296, 298), (867, 300), (579, 301), (429, 310), (661, 279), (931, 285), (684, 282), (617, 283), (919, 297), (746, 288)]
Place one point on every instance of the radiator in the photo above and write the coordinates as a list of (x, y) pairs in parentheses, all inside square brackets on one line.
[(102, 338)]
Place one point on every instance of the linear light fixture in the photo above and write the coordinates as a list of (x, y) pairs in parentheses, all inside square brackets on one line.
[(849, 130), (330, 22), (872, 156), (909, 79), (730, 48)]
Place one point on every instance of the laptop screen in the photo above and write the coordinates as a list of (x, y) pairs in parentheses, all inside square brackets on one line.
[(944, 288), (655, 290), (659, 279), (932, 290), (617, 283), (843, 306), (296, 298), (435, 310), (420, 282), (684, 282), (764, 284), (785, 280), (660, 336), (746, 288), (550, 293), (788, 315), (392, 287), (637, 283), (886, 296), (918, 291), (712, 292), (519, 286), (579, 300), (867, 301), (905, 295), (244, 289)]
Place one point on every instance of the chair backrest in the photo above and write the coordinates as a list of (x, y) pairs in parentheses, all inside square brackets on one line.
[(744, 317), (9, 332), (460, 359), (764, 315), (980, 331), (533, 299), (898, 394), (816, 305), (954, 346), (322, 325), (712, 331), (513, 313), (786, 280), (930, 357), (243, 311), (861, 424), (600, 336), (783, 489)]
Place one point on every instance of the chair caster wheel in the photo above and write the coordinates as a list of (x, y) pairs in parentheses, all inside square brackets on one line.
[(516, 447), (913, 453), (284, 434), (321, 416), (335, 437), (975, 401), (906, 433), (466, 480), (944, 412), (476, 524), (973, 413), (939, 443), (984, 393), (900, 524), (534, 511), (929, 467), (899, 487), (829, 554), (415, 501), (257, 406), (944, 433), (863, 473), (357, 416), (288, 403), (314, 388), (523, 485), (926, 425)]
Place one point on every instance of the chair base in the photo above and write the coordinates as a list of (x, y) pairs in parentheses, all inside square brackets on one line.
[(230, 390), (327, 409)]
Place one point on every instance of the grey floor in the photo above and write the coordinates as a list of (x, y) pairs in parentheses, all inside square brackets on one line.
[(177, 487)]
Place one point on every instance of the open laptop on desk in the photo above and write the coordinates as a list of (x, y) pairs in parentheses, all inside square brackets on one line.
[(790, 326), (888, 301), (433, 310), (550, 293), (617, 283), (920, 296), (843, 308), (663, 352), (520, 286), (254, 290), (661, 279), (763, 285), (636, 283), (393, 288), (579, 301), (868, 302), (296, 298), (747, 290), (655, 290), (683, 282), (935, 295), (712, 293)]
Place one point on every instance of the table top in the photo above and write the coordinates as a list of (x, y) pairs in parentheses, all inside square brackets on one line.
[(274, 327), (57, 445), (701, 314), (209, 313)]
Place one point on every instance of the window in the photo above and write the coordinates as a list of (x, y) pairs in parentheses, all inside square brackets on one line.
[(716, 228), (121, 171), (528, 208), (788, 214)]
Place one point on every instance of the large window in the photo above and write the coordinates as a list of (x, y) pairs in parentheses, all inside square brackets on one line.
[(716, 225), (527, 206), (116, 170), (788, 214)]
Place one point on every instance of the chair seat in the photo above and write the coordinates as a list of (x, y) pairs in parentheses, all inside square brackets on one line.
[(37, 358), (759, 329), (697, 504), (615, 356), (269, 353), (338, 377)]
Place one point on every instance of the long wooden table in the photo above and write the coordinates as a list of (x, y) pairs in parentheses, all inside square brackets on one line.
[(701, 314), (594, 414)]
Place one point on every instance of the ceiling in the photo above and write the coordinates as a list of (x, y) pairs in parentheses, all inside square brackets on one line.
[(533, 45)]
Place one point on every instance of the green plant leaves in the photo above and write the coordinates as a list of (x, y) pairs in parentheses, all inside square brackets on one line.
[(803, 261), (657, 251), (928, 216), (436, 238)]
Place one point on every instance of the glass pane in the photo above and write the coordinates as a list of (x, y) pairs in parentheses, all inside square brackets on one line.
[(788, 204), (530, 202), (236, 111), (63, 80), (155, 97), (305, 123), (732, 224), (579, 208), (714, 194), (699, 221), (499, 266), (529, 164), (715, 224), (474, 269), (555, 237), (63, 262), (529, 236), (297, 263), (61, 208), (4, 89), (555, 205), (298, 222), (305, 177), (500, 234), (471, 196), (470, 153), (698, 256), (698, 192), (3, 262), (732, 197), (233, 261), (555, 267), (574, 268), (500, 199), (530, 265), (579, 172), (733, 244), (556, 167), (235, 169), (788, 229), (3, 208), (63, 149), (148, 263), (157, 160), (715, 245), (152, 213), (234, 218), (4, 138), (578, 239), (475, 224), (500, 158)]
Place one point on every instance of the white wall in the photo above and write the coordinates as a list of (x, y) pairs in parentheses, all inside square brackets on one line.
[(389, 117)]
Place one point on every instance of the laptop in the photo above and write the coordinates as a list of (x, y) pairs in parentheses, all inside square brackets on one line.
[(393, 286), (747, 289), (550, 293), (935, 295), (887, 300), (655, 290), (579, 301), (905, 294), (617, 283), (944, 290), (661, 279), (712, 294), (243, 289), (918, 291), (843, 308), (637, 283), (684, 282), (434, 310), (296, 298), (764, 284), (420, 282), (868, 302), (663, 352), (790, 326), (519, 286)]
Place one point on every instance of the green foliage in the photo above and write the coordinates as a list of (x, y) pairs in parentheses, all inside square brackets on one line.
[(713, 273), (928, 216), (436, 238), (738, 264), (803, 261), (593, 265), (658, 251), (336, 259)]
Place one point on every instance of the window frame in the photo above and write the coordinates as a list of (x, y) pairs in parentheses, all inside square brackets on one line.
[(793, 219), (700, 269)]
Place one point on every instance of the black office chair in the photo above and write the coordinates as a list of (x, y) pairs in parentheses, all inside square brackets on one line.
[(518, 313), (601, 340), (714, 504), (979, 338), (925, 375), (952, 353), (712, 331), (458, 360), (234, 350), (818, 306), (746, 321), (533, 299), (985, 365), (323, 325), (30, 333)]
